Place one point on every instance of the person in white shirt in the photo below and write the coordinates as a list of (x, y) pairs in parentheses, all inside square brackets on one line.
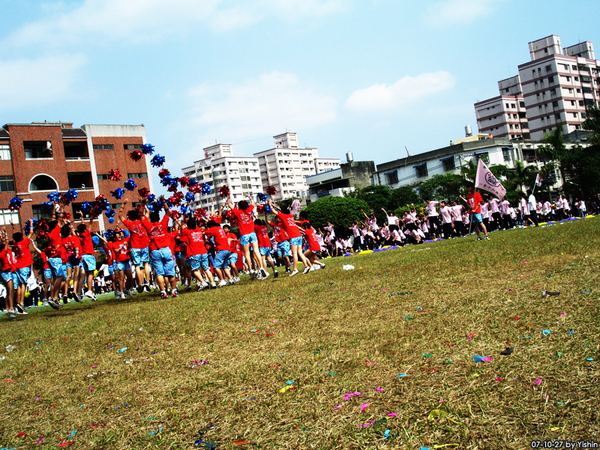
[(459, 223), (494, 203), (532, 208), (524, 208), (434, 218), (446, 213), (581, 207)]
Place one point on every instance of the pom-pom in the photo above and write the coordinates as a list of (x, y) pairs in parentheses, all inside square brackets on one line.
[(53, 197), (224, 191), (164, 172), (175, 214), (136, 155), (261, 197), (68, 196), (200, 213), (147, 149), (109, 213), (130, 185), (231, 217), (192, 182), (184, 181), (118, 193), (86, 207), (151, 198), (47, 205), (109, 235), (102, 204), (270, 190), (15, 203), (30, 225), (262, 208), (195, 189), (67, 215), (189, 197), (185, 209), (166, 180), (114, 175), (173, 183), (157, 160), (295, 207), (144, 192), (206, 189)]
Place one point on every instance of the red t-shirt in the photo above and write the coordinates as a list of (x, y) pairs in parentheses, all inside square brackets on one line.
[(87, 246), (139, 237), (312, 240), (245, 222), (8, 260), (289, 225), (120, 249), (263, 236), (221, 241), (71, 246), (158, 234), (195, 242), (22, 254), (55, 242), (234, 243), (474, 201), (279, 232)]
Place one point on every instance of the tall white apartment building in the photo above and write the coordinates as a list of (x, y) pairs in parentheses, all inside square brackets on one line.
[(555, 87), (286, 166), (219, 168)]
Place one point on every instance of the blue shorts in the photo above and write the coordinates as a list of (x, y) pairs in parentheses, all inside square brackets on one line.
[(57, 267), (265, 251), (284, 249), (73, 261), (111, 270), (297, 241), (477, 218), (88, 263), (163, 262), (139, 256), (198, 262), (9, 276), (221, 259), (233, 257), (122, 265), (247, 239), (21, 275), (47, 274)]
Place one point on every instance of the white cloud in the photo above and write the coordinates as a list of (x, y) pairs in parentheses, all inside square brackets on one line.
[(258, 107), (452, 12), (404, 91), (146, 20), (41, 81)]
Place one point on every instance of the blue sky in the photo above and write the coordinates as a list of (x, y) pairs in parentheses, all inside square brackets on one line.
[(369, 76)]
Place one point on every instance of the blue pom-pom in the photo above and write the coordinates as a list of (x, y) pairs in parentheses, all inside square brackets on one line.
[(53, 197), (174, 182), (109, 234), (157, 160), (47, 205), (189, 197), (166, 180), (151, 198), (118, 193), (192, 182), (261, 197), (130, 185), (268, 209), (185, 209), (147, 149), (30, 225), (15, 203), (110, 213), (206, 189), (96, 240), (71, 195), (111, 220)]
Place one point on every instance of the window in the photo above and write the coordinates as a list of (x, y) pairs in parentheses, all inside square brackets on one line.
[(7, 184), (580, 102), (576, 78), (421, 170), (104, 176), (4, 152), (548, 68), (575, 115), (484, 156), (40, 212), (448, 164), (38, 149), (506, 153), (553, 91), (570, 91), (555, 104), (137, 175), (522, 104), (550, 79), (103, 147), (7, 216), (43, 183), (557, 117), (568, 78), (391, 177), (132, 146), (574, 67)]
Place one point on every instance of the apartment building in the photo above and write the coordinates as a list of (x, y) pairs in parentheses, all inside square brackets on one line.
[(554, 87), (220, 167), (43, 157), (286, 166)]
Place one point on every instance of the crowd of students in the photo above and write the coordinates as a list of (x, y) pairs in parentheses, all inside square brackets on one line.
[(149, 252)]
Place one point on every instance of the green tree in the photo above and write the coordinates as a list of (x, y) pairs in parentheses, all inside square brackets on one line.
[(340, 211), (404, 195), (592, 123), (443, 187)]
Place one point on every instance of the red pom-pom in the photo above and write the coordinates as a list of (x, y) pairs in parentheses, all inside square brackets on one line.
[(172, 188), (144, 192), (200, 213), (67, 215), (163, 173), (136, 155), (114, 175), (175, 214), (262, 208), (184, 181), (224, 191), (270, 190), (195, 189), (231, 217)]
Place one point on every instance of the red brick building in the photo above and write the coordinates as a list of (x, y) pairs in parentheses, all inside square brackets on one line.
[(39, 158)]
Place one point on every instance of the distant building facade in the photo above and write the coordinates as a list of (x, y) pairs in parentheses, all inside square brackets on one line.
[(286, 166), (554, 88), (219, 168), (42, 157)]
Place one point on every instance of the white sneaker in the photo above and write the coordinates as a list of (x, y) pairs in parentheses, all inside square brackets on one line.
[(306, 270), (264, 273), (213, 285), (294, 273), (222, 283), (202, 286), (237, 279), (91, 295), (117, 295), (123, 296)]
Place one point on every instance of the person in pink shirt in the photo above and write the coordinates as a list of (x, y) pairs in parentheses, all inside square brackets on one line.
[(459, 225)]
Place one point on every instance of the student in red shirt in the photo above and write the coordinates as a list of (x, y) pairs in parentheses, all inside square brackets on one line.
[(161, 256), (247, 236), (71, 246), (236, 257), (7, 258), (55, 261), (22, 267), (88, 260), (196, 253), (474, 202), (124, 280), (284, 251), (223, 250), (314, 248), (264, 245), (140, 253), (289, 225)]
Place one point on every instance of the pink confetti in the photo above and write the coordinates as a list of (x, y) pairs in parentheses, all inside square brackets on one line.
[(486, 359), (393, 415), (498, 379), (364, 406), (40, 440), (37, 399), (352, 394), (563, 314), (365, 425), (338, 406), (91, 388), (471, 336), (379, 390), (539, 381)]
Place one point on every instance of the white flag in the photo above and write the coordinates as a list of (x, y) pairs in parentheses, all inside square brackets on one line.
[(538, 180), (487, 181)]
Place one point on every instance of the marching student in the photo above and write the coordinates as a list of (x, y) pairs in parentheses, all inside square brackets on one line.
[(22, 267), (222, 252), (7, 258), (196, 253), (87, 266), (264, 245), (474, 201), (140, 253)]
